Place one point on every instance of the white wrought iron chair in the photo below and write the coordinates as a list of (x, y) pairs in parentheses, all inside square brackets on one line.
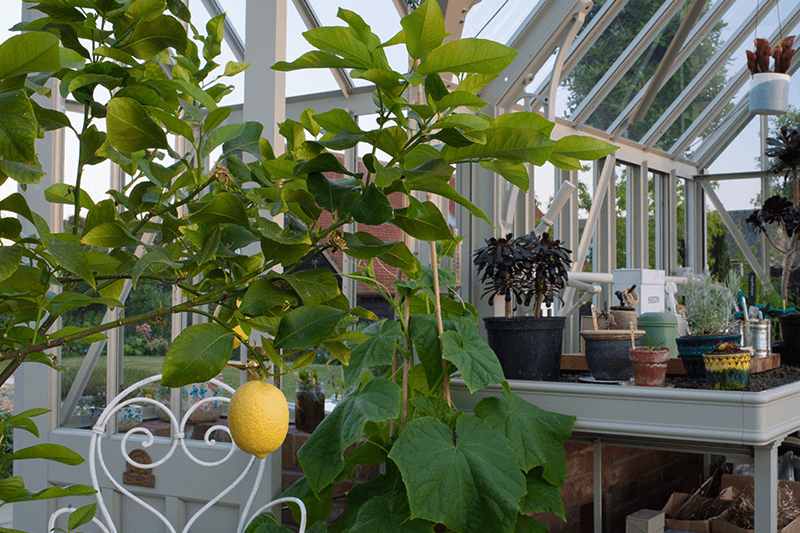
[(105, 523)]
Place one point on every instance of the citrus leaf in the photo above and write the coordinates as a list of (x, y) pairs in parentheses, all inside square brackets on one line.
[(314, 286), (372, 208), (29, 52), (515, 174), (10, 258), (401, 257), (468, 55), (149, 38), (82, 515), (197, 354), (51, 452), (424, 29), (362, 245), (71, 257), (442, 188), (430, 227), (537, 435), (511, 144), (306, 326), (472, 485), (18, 128), (322, 456), (110, 235), (225, 208), (130, 128), (316, 59), (263, 295)]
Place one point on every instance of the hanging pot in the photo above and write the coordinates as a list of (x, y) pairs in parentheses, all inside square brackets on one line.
[(769, 93)]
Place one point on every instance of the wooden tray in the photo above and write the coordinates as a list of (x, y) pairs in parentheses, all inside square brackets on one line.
[(577, 363)]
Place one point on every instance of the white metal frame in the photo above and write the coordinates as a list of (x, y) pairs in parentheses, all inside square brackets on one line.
[(178, 428)]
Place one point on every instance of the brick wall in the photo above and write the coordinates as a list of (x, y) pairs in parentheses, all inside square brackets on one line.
[(633, 479)]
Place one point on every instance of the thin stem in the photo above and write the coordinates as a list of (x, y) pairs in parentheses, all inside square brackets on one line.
[(439, 323), (406, 365)]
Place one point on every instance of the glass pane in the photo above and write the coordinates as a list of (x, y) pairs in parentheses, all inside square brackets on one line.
[(498, 21), (603, 54), (303, 81)]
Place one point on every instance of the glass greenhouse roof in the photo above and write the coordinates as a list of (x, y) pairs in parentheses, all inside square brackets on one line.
[(620, 46)]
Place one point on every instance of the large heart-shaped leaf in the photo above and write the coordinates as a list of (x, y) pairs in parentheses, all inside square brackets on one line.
[(537, 435), (472, 485), (541, 496), (464, 347), (306, 326), (197, 354), (322, 456), (425, 336), (130, 128), (377, 350), (389, 515)]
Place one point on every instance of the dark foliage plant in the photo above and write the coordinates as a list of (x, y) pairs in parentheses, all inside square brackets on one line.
[(758, 59), (525, 270)]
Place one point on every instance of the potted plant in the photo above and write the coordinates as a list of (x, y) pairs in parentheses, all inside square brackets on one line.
[(309, 401), (727, 367), (710, 319), (528, 270), (778, 211), (769, 90), (649, 365)]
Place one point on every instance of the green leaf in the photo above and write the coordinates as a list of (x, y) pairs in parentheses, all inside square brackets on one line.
[(322, 456), (68, 331), (248, 141), (215, 31), (332, 195), (18, 128), (197, 354), (130, 128), (49, 493), (541, 496), (337, 120), (464, 347), (526, 524), (425, 336), (536, 435), (384, 176), (458, 99), (153, 257), (82, 515), (29, 52), (473, 485), (175, 125), (475, 82), (308, 122), (435, 89), (61, 193), (10, 258), (319, 506), (442, 188), (578, 147), (10, 228), (525, 120), (401, 257), (424, 29), (314, 286), (221, 135), (195, 92), (263, 295), (362, 245), (51, 452), (463, 121), (392, 515), (71, 257), (232, 68), (468, 55), (373, 208), (516, 174), (510, 144), (110, 235), (316, 59), (225, 208), (340, 41), (50, 119), (377, 350), (118, 55), (430, 227), (148, 38), (306, 326)]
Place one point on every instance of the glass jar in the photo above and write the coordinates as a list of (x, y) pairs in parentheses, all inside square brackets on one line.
[(309, 405)]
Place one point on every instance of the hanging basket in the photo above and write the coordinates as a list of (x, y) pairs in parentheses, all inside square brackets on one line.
[(769, 93)]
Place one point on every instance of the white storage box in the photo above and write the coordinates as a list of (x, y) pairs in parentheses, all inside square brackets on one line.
[(649, 286)]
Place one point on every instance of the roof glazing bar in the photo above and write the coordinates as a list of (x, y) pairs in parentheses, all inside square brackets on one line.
[(699, 33), (626, 59), (587, 38), (231, 35), (311, 21)]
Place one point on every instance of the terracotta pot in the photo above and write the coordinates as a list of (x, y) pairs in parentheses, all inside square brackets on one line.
[(649, 366)]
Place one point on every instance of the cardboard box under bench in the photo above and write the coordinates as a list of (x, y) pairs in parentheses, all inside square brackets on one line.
[(721, 525)]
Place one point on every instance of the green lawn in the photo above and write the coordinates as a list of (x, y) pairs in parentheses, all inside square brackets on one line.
[(137, 368)]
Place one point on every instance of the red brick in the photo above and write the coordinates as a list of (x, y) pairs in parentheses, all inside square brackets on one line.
[(287, 452), (575, 447), (641, 465), (622, 453), (615, 474), (341, 489), (576, 490)]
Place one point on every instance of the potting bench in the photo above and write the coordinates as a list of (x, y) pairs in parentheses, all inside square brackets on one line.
[(744, 424)]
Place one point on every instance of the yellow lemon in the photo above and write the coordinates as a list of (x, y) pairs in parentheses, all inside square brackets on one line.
[(240, 335), (258, 417)]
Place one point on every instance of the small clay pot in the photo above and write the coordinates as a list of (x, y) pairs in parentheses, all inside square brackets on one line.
[(728, 371), (649, 365)]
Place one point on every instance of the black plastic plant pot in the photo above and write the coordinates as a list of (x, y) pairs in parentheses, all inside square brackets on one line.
[(790, 348), (527, 347), (692, 347)]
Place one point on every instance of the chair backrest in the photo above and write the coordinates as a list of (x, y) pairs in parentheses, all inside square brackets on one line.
[(96, 458)]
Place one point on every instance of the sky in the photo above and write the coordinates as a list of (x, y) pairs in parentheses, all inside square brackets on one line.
[(485, 21)]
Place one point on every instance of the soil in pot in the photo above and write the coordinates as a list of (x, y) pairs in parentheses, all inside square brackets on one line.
[(527, 347), (649, 366)]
